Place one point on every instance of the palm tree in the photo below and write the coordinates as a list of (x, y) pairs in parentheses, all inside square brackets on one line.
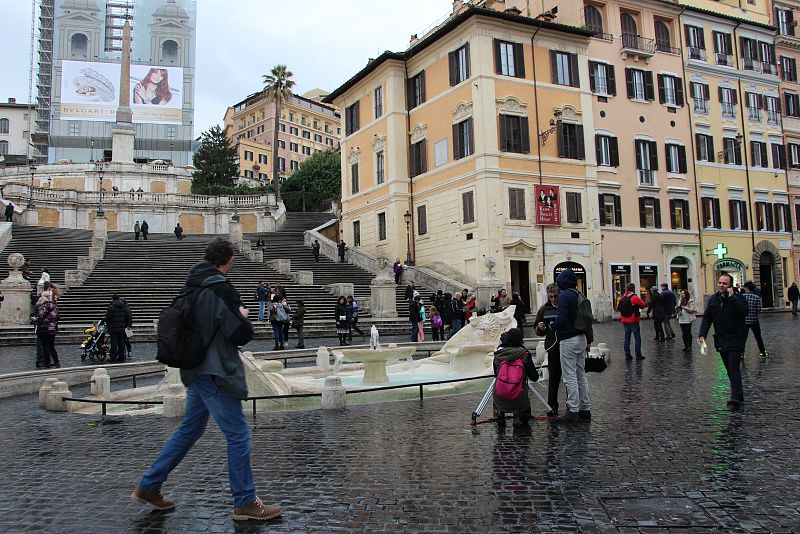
[(277, 87)]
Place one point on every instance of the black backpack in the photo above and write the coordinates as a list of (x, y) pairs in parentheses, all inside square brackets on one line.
[(584, 317), (178, 342), (626, 308)]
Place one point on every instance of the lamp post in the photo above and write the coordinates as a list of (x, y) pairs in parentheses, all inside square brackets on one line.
[(171, 146), (30, 190), (92, 158), (100, 211), (407, 218)]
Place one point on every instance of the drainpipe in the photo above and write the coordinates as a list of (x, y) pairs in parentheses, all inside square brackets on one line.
[(538, 129), (412, 243)]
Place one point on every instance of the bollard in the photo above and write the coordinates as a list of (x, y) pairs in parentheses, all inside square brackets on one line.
[(44, 390), (175, 401), (101, 383), (334, 395), (55, 398), (323, 358)]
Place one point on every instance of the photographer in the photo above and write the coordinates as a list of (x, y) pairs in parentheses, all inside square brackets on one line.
[(547, 314)]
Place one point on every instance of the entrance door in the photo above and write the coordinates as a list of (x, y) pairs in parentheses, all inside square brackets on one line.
[(648, 277), (521, 281), (679, 274), (577, 268), (766, 266)]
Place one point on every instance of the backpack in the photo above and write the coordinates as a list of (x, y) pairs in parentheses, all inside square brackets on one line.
[(584, 317), (436, 321), (178, 344), (625, 307), (510, 379), (281, 315)]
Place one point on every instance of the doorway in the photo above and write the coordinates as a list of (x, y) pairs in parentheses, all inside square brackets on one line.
[(521, 281), (620, 278), (648, 277), (766, 275), (679, 274), (577, 268)]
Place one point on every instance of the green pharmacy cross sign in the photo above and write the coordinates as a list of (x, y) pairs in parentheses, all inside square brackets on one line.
[(720, 251)]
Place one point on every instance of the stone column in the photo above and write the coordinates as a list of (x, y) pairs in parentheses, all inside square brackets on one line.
[(334, 394), (45, 389), (323, 358), (100, 230), (383, 291), (55, 398), (30, 217), (16, 308), (235, 232), (101, 383), (175, 401), (487, 285)]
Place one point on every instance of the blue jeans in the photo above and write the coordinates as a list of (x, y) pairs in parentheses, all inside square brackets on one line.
[(277, 332), (632, 328), (573, 373), (262, 305), (414, 332), (203, 397), (455, 326)]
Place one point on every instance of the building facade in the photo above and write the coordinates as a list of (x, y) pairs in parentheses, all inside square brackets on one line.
[(15, 124), (78, 80)]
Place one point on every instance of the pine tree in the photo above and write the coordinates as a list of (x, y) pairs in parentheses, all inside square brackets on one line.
[(215, 162)]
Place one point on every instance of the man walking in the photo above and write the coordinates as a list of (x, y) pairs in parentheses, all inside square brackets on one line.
[(178, 232), (669, 302), (215, 388), (118, 318), (263, 295), (727, 310), (136, 230), (315, 250), (629, 306), (145, 230), (572, 347), (10, 212), (397, 269), (794, 296), (753, 309), (414, 317), (543, 319), (341, 247)]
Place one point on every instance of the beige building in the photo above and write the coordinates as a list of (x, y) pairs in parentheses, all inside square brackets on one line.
[(14, 129)]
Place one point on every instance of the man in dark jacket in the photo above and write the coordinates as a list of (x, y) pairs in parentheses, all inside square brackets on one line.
[(727, 310), (118, 318), (216, 387), (656, 307), (542, 323), (315, 250), (341, 248), (9, 212), (794, 296), (668, 302), (178, 232), (572, 346), (145, 229), (414, 317), (456, 314)]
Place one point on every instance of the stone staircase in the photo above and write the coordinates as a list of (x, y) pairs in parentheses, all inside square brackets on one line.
[(54, 249)]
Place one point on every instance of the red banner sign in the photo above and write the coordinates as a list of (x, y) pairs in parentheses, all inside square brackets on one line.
[(548, 205)]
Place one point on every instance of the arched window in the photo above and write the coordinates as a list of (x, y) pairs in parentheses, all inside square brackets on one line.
[(629, 31), (79, 46), (3, 126), (169, 52), (593, 18), (3, 147), (663, 42)]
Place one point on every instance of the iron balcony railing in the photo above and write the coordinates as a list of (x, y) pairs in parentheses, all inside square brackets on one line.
[(723, 59), (700, 105), (697, 53), (638, 43), (728, 109)]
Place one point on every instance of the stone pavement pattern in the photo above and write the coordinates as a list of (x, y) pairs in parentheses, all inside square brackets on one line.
[(662, 453)]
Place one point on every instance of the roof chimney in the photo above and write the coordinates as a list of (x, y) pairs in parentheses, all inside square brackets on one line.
[(414, 40)]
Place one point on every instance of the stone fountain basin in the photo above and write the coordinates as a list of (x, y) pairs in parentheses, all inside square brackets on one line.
[(374, 360)]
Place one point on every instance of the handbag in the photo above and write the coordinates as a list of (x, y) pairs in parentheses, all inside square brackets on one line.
[(595, 364)]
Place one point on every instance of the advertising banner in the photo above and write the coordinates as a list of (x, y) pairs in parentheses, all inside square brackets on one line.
[(90, 91), (548, 205)]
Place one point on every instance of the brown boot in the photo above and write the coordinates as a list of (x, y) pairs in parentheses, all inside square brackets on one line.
[(256, 510), (153, 498)]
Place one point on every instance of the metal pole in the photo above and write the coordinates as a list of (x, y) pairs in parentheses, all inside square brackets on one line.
[(100, 211), (30, 190), (408, 243)]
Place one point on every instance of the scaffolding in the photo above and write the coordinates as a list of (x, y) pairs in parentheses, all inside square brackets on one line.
[(44, 75), (117, 12)]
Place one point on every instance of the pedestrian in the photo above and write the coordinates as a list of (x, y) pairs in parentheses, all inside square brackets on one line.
[(424, 315), (280, 291), (727, 311), (342, 320), (145, 230), (456, 306), (656, 307), (261, 244), (397, 269), (276, 316), (520, 311), (127, 336), (216, 387), (287, 321), (136, 229), (315, 250), (408, 294), (43, 279), (500, 301), (118, 318), (686, 315), (299, 321), (414, 317), (140, 191), (572, 348), (178, 232), (437, 324), (352, 305), (753, 310), (512, 349), (669, 301), (629, 307), (262, 297), (10, 212), (794, 296), (46, 321), (470, 305), (543, 322), (341, 247)]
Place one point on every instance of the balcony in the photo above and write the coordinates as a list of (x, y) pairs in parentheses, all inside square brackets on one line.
[(751, 64), (700, 105), (725, 60), (697, 53), (637, 46), (728, 110), (754, 114), (646, 177), (666, 47), (769, 68), (773, 117)]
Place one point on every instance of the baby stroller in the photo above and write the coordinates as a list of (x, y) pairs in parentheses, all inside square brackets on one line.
[(94, 346)]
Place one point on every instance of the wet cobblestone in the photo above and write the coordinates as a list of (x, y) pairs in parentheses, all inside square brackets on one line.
[(662, 454)]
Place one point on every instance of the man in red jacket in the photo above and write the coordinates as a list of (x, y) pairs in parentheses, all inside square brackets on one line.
[(628, 307)]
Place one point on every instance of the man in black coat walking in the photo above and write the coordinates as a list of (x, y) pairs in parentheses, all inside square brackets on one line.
[(9, 212), (118, 318)]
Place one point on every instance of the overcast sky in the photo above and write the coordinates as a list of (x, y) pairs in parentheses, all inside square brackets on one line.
[(323, 43)]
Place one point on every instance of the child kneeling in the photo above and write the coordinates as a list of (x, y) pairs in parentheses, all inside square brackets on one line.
[(513, 366)]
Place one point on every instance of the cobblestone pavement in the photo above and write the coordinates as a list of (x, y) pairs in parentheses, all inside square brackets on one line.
[(662, 453)]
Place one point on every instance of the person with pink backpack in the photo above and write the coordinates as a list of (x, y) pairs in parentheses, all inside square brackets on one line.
[(513, 366)]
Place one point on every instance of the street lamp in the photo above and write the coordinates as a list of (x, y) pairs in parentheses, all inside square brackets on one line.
[(99, 168), (30, 190), (92, 159), (407, 218), (171, 146)]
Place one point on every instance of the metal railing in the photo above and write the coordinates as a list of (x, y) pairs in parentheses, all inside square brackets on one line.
[(638, 43), (726, 60), (697, 53), (665, 46), (700, 105), (728, 109)]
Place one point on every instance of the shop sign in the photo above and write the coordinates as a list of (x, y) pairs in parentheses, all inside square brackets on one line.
[(548, 205), (620, 269), (728, 264), (648, 270), (577, 268)]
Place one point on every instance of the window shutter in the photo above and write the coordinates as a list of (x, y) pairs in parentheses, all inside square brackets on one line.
[(579, 141), (602, 210), (777, 105), (732, 208), (668, 157), (715, 37), (710, 141), (614, 149), (743, 46), (745, 222), (704, 210), (466, 60), (657, 212), (672, 204), (592, 67), (653, 155), (642, 215), (698, 139), (456, 143), (423, 156), (612, 80), (719, 94), (574, 75), (503, 136), (422, 220), (638, 149), (453, 65), (526, 139), (776, 157), (498, 64), (356, 115), (706, 91), (734, 96), (679, 91), (512, 204), (471, 134), (787, 218), (728, 43), (410, 93), (553, 66), (519, 60), (686, 219), (717, 221), (465, 207), (597, 152), (562, 142), (629, 81), (688, 31), (682, 167), (422, 86), (649, 90), (617, 211), (701, 38), (579, 208), (790, 23), (414, 165), (661, 90)]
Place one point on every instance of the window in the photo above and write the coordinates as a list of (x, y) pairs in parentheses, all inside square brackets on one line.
[(601, 78), (791, 103), (293, 130), (663, 40), (755, 103), (248, 155), (356, 233), (630, 32), (700, 97), (379, 168), (306, 134), (307, 150), (281, 127), (516, 204), (564, 68), (732, 151), (640, 84), (378, 94), (382, 226), (758, 154), (317, 138), (749, 51), (710, 212), (316, 124), (696, 42), (778, 156), (670, 90), (419, 158), (764, 217), (646, 161), (294, 147), (262, 176), (649, 212), (463, 139), (723, 48), (574, 208), (514, 136), (248, 174), (679, 213), (728, 99), (354, 178), (291, 116), (416, 90), (329, 141), (570, 141), (782, 221), (74, 128), (676, 158), (3, 147), (281, 144), (738, 214), (767, 55), (593, 19), (508, 59), (422, 220), (169, 52), (610, 210), (172, 132), (459, 65), (293, 165), (79, 46), (607, 150), (788, 69), (794, 156), (351, 118), (4, 126), (772, 107), (705, 147), (468, 207), (282, 164), (262, 158), (784, 19)]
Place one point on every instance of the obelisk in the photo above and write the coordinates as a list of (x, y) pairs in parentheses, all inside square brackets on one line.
[(123, 133)]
